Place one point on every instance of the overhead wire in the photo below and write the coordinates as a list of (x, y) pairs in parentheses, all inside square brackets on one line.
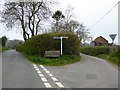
[(104, 15)]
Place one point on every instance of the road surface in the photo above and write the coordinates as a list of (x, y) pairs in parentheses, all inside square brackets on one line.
[(90, 72)]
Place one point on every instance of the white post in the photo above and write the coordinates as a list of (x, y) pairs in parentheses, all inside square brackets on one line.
[(61, 45), (119, 23), (61, 50)]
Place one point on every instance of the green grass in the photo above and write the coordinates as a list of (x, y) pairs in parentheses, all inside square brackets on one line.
[(112, 58), (64, 60), (2, 49), (102, 52)]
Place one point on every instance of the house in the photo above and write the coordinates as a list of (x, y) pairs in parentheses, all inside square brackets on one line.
[(100, 41)]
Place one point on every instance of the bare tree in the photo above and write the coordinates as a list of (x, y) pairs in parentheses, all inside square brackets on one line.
[(67, 24), (83, 33), (69, 14), (26, 14), (70, 26)]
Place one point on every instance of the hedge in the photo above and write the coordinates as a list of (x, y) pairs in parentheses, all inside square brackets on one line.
[(111, 53), (94, 50), (38, 44)]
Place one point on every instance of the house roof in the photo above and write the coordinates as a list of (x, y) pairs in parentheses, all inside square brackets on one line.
[(101, 39)]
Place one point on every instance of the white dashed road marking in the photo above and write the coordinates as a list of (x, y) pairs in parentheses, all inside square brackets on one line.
[(37, 69), (38, 72), (42, 66), (47, 71), (48, 85), (59, 84), (54, 79), (34, 65), (50, 74), (41, 75), (45, 81)]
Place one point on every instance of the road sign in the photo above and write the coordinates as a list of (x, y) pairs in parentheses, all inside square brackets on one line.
[(56, 37), (65, 37), (112, 36), (61, 41)]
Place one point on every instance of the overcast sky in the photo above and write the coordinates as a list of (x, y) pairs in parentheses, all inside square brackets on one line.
[(87, 12)]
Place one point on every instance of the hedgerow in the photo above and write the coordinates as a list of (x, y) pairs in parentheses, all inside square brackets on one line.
[(111, 53), (38, 44), (94, 50)]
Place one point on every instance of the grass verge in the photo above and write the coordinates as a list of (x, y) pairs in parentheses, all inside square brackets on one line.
[(111, 58), (2, 49), (63, 60)]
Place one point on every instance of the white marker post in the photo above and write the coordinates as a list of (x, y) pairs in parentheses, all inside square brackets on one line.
[(61, 41)]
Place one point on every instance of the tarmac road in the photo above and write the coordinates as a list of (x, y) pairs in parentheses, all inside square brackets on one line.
[(90, 72), (18, 72)]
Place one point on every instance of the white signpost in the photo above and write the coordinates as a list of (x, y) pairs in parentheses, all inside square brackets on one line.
[(61, 42)]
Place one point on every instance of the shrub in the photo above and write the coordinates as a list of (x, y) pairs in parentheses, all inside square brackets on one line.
[(2, 49), (115, 54), (114, 50), (37, 45), (94, 51)]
